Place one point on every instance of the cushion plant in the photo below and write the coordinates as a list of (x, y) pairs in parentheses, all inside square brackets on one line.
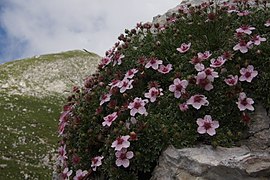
[(194, 80)]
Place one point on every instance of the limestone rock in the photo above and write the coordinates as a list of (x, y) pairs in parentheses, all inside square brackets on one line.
[(206, 162)]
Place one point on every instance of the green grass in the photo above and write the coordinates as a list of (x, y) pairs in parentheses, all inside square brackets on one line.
[(28, 130)]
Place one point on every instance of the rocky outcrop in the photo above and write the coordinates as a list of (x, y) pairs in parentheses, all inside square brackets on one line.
[(250, 161)]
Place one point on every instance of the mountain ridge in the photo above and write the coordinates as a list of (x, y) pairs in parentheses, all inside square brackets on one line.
[(47, 74)]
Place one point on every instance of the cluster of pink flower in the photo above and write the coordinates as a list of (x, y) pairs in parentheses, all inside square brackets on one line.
[(121, 144), (157, 65), (204, 79), (78, 176), (112, 56), (243, 45)]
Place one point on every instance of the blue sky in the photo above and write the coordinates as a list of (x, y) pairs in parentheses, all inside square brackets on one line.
[(34, 27)]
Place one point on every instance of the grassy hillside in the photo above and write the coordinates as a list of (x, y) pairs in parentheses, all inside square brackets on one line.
[(31, 96), (46, 74)]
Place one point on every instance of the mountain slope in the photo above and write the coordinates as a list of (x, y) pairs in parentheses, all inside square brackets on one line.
[(46, 74), (31, 97)]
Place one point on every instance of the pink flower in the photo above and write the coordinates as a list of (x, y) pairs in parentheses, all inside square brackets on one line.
[(243, 13), (211, 74), (247, 74), (206, 125), (96, 161), (153, 94), (231, 80), (217, 62), (64, 116), (244, 102), (75, 159), (232, 9), (197, 101), (178, 87), (117, 59), (105, 61), (125, 84), (203, 81), (165, 69), (195, 60), (105, 98), (199, 67), (137, 106), (62, 153), (267, 23), (184, 9), (61, 128), (121, 142), (130, 73), (204, 55), (66, 173), (257, 40), (80, 174), (109, 119), (184, 47), (171, 19), (242, 46), (123, 157), (245, 29), (114, 83), (183, 107), (153, 62)]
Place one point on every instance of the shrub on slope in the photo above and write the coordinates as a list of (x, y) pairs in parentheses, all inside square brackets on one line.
[(195, 79)]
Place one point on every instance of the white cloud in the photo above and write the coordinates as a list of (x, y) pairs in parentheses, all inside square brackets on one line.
[(46, 26)]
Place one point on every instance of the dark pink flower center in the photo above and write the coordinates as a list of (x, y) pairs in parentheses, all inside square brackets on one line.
[(207, 125), (137, 105), (125, 84), (197, 99), (208, 72), (123, 156), (154, 93), (217, 62), (244, 102), (242, 43), (94, 160), (120, 140), (104, 97), (244, 28), (204, 82), (153, 61), (196, 60), (184, 48), (164, 69), (178, 87), (64, 175), (110, 118), (130, 72), (231, 81), (247, 74)]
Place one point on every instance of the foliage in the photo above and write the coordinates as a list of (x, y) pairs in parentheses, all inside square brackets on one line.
[(191, 80)]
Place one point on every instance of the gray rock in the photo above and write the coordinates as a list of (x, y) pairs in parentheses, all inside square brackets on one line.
[(207, 163)]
